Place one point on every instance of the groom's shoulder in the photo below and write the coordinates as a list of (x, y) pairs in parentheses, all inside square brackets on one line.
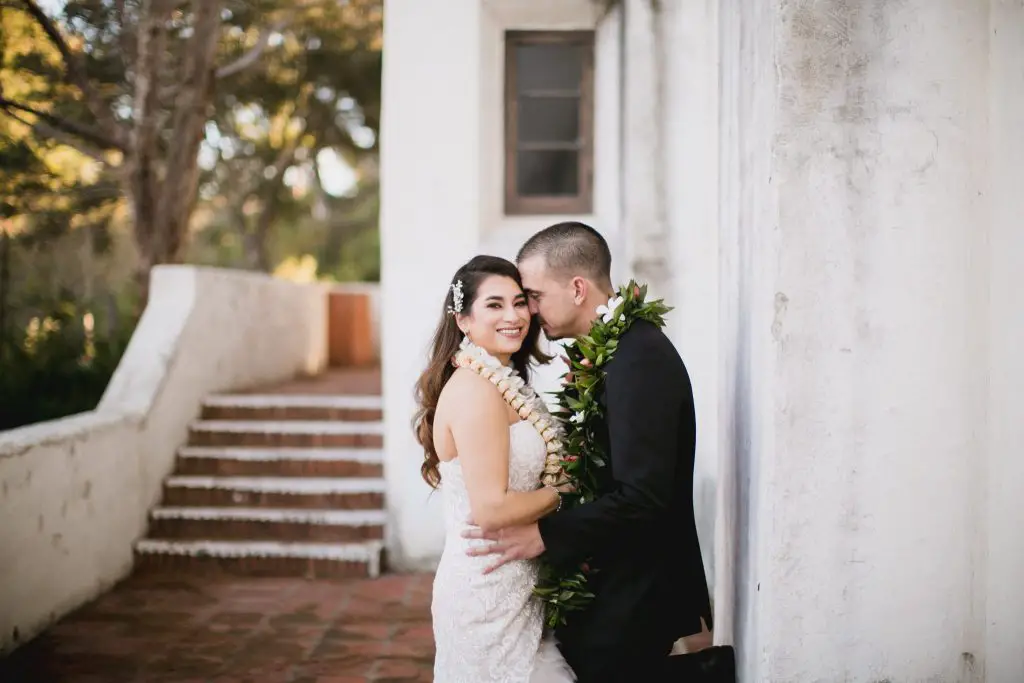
[(644, 334), (645, 338)]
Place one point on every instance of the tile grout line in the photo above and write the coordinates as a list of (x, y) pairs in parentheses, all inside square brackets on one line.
[(373, 673), (197, 624), (343, 604), (262, 626)]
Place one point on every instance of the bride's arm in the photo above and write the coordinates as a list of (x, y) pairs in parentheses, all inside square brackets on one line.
[(480, 430)]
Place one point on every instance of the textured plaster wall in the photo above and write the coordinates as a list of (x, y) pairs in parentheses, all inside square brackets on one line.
[(1000, 570), (859, 316)]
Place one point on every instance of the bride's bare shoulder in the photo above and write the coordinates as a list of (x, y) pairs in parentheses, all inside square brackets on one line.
[(466, 383), (469, 391)]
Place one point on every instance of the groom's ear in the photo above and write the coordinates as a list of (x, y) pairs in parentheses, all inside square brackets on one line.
[(579, 290)]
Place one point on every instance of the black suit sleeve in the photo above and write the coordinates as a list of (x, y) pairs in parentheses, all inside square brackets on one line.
[(645, 388)]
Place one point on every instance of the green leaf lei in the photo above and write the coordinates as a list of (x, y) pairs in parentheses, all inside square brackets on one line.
[(562, 590)]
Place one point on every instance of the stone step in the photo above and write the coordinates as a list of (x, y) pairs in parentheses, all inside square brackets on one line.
[(308, 493), (267, 524), (260, 558), (292, 407), (287, 433), (280, 462)]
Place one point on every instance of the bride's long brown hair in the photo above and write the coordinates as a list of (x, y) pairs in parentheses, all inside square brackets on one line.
[(445, 345)]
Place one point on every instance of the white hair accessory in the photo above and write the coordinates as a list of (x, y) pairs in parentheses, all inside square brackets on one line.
[(456, 306)]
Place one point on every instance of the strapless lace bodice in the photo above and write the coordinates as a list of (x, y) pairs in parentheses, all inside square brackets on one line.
[(526, 456), (488, 627)]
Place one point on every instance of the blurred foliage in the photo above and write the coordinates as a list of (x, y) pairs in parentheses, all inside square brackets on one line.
[(47, 186), (57, 365)]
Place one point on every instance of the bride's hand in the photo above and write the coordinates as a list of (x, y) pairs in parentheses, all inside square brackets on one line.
[(565, 486)]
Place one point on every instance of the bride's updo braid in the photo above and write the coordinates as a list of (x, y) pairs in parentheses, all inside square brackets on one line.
[(462, 292)]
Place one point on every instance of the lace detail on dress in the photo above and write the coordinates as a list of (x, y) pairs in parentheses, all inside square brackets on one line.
[(488, 627)]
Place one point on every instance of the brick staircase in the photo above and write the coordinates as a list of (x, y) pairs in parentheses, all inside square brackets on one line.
[(274, 485)]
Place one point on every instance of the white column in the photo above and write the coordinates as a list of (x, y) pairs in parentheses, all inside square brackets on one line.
[(746, 198), (430, 216), (857, 158), (1000, 585), (690, 155), (644, 159)]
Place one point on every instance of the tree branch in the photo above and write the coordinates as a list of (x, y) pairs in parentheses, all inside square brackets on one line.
[(180, 182), (151, 44), (254, 53), (77, 76), (46, 130), (82, 131)]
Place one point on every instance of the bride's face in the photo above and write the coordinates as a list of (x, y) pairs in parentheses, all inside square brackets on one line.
[(498, 318)]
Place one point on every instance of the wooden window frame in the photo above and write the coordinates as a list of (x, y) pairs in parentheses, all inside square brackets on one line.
[(581, 203)]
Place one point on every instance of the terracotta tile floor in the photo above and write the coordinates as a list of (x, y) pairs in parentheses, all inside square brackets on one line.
[(159, 630)]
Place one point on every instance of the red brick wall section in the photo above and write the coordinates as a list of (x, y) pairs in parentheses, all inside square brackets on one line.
[(350, 330)]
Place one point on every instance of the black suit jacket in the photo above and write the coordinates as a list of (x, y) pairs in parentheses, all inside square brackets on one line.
[(639, 534)]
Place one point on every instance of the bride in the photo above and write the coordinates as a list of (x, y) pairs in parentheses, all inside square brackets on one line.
[(487, 460)]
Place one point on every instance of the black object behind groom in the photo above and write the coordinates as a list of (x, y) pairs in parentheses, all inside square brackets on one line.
[(639, 534)]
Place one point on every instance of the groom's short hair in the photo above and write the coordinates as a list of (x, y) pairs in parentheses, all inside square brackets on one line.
[(570, 249)]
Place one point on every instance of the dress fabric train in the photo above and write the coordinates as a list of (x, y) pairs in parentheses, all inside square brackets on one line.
[(489, 628)]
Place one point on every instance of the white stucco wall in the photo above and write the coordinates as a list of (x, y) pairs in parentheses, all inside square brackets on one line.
[(858, 310), (998, 577), (441, 200), (747, 218), (75, 492), (690, 155), (429, 222)]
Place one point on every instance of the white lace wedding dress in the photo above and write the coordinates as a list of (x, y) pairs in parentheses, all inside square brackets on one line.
[(488, 628)]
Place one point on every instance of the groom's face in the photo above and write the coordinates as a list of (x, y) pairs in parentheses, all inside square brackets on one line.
[(550, 300)]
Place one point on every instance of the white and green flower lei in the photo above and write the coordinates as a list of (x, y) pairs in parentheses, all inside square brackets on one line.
[(580, 411), (522, 398)]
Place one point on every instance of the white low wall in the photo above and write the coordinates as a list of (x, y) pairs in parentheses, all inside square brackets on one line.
[(75, 492)]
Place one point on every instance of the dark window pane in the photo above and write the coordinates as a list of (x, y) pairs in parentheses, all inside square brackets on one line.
[(546, 173), (548, 67), (548, 119)]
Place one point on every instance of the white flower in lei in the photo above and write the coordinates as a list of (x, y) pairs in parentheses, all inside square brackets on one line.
[(607, 311), (523, 399)]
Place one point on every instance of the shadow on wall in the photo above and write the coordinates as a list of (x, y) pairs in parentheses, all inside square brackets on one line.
[(705, 505)]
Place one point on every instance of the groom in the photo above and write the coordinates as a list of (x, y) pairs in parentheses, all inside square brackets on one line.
[(639, 534)]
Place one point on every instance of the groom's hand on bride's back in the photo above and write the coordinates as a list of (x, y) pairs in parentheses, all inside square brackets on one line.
[(508, 544)]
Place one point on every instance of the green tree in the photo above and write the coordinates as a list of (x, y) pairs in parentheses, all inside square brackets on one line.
[(137, 85), (316, 94)]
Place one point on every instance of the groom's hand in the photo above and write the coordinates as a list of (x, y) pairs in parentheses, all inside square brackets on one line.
[(511, 543)]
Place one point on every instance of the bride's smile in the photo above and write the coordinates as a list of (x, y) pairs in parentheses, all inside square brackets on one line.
[(511, 332)]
